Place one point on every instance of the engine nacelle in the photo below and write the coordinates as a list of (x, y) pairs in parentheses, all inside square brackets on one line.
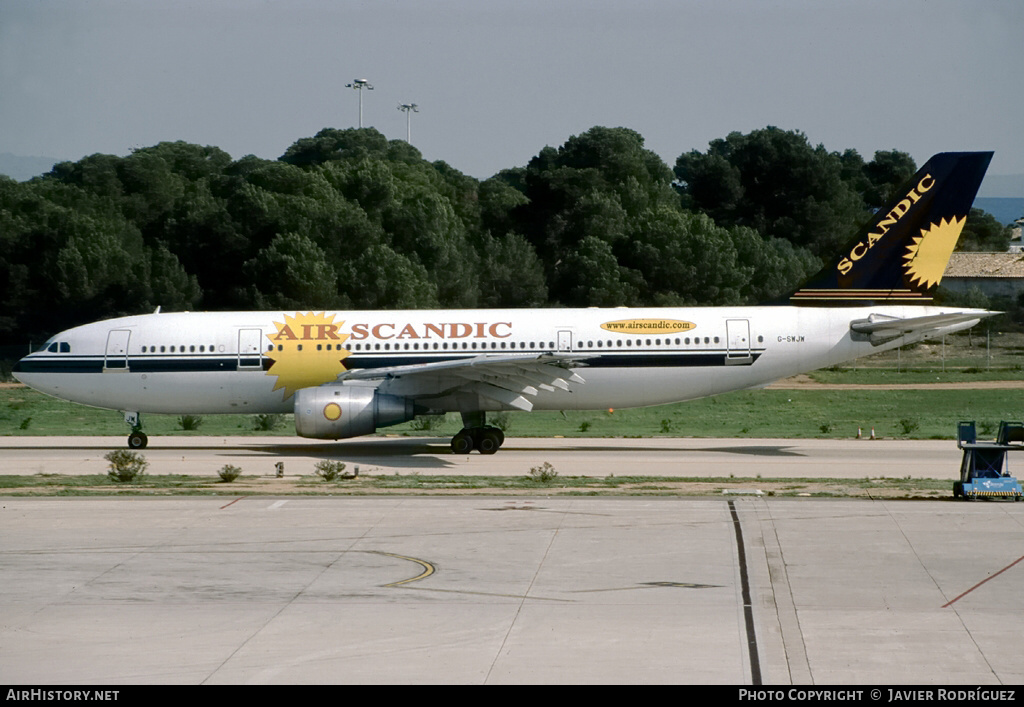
[(337, 411)]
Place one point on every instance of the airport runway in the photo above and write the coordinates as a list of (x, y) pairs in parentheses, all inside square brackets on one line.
[(496, 590), (680, 457)]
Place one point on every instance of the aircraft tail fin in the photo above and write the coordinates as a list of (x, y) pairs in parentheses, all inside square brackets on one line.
[(902, 253)]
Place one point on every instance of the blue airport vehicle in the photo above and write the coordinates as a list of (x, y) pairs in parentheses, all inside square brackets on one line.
[(983, 471)]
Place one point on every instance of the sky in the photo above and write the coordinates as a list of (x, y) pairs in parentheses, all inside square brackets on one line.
[(496, 81)]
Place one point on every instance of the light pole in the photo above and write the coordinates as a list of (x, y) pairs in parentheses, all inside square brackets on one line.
[(409, 109), (359, 85)]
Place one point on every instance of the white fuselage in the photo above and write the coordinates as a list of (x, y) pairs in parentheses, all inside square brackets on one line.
[(252, 362)]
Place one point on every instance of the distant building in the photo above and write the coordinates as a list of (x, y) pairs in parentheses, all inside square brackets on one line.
[(994, 274), (1016, 242)]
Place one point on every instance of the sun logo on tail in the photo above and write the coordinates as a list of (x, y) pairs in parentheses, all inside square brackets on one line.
[(307, 350), (927, 256)]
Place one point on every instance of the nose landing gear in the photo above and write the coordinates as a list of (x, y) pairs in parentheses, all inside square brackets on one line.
[(137, 439)]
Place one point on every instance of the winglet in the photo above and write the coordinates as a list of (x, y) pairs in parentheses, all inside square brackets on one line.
[(901, 255)]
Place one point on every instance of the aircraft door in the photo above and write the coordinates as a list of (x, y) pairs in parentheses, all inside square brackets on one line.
[(250, 349), (737, 336), (116, 355), (564, 341)]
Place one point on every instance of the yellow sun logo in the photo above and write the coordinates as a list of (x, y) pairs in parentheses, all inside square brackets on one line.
[(926, 258), (307, 350)]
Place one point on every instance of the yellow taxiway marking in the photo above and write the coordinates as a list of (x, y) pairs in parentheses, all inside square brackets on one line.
[(428, 569)]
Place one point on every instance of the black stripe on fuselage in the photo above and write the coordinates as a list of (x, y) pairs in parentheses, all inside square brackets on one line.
[(589, 359), (136, 364), (207, 364)]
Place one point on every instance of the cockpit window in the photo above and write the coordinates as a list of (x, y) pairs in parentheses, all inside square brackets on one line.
[(65, 347), (52, 348)]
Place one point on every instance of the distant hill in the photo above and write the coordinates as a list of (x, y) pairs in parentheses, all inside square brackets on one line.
[(21, 168)]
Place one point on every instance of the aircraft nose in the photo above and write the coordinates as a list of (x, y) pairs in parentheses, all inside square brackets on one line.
[(19, 369), (28, 369), (32, 372)]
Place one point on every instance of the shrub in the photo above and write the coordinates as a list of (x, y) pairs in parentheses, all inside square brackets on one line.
[(427, 423), (544, 473), (266, 423), (229, 473), (501, 420), (190, 422), (908, 425), (328, 470), (125, 465)]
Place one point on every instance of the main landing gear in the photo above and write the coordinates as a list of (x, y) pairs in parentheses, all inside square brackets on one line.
[(475, 434), (137, 439), (486, 439)]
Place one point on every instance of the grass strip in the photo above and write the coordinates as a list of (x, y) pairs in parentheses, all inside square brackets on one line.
[(523, 485)]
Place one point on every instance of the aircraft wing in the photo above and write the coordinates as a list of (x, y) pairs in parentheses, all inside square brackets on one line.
[(881, 328), (508, 379)]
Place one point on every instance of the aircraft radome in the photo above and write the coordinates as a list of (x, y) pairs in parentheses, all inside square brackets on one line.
[(346, 374)]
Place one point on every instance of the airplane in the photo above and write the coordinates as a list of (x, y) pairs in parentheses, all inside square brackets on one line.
[(347, 373)]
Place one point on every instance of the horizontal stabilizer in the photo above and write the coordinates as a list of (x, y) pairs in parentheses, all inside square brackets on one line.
[(881, 328)]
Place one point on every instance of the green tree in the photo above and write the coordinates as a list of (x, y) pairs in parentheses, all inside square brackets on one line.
[(368, 181), (354, 143), (384, 279), (168, 284), (189, 161), (577, 197), (590, 276), (96, 174), (610, 162), (686, 259), (983, 233), (498, 200), (778, 267), (775, 182), (422, 224), (293, 273), (885, 175), (511, 274)]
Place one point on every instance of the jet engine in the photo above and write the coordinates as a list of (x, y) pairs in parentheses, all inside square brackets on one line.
[(336, 411)]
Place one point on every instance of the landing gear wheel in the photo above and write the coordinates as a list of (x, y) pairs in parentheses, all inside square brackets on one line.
[(462, 443), (137, 440), (489, 441), (485, 439)]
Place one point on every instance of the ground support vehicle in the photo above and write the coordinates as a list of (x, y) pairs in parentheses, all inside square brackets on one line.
[(983, 471)]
